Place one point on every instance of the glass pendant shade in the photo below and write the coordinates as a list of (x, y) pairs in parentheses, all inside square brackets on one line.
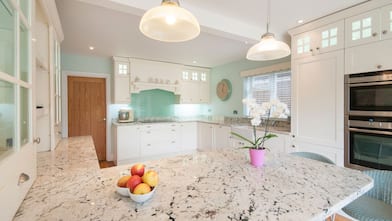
[(268, 49), (169, 23)]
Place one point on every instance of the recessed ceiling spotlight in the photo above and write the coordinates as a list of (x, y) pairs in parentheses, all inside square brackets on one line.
[(194, 62), (300, 21), (91, 48), (33, 39)]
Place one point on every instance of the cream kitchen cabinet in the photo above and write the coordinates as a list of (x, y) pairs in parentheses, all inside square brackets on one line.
[(369, 27), (126, 143), (195, 86), (213, 136), (321, 40), (205, 136), (221, 137), (159, 139), (188, 135), (317, 103), (121, 81), (376, 56)]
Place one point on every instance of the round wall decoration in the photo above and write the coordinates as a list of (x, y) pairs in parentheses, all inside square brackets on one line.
[(223, 89)]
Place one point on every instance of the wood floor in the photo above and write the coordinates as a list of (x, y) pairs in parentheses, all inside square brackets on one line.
[(339, 218), (106, 164)]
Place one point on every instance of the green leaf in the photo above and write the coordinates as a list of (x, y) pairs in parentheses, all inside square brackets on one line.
[(242, 137)]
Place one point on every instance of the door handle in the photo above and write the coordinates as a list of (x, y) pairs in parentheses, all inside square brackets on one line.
[(104, 119), (37, 140)]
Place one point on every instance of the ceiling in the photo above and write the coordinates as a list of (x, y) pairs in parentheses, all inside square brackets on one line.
[(228, 28)]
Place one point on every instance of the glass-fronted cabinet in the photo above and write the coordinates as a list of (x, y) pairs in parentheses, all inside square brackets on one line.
[(17, 154)]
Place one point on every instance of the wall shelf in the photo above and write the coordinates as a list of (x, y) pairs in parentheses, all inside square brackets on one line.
[(138, 86)]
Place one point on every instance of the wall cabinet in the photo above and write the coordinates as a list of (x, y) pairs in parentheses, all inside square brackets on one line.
[(369, 27), (369, 57), (325, 39), (121, 81), (195, 86), (317, 102)]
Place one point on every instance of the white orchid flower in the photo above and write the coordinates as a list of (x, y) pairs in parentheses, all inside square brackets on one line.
[(255, 121)]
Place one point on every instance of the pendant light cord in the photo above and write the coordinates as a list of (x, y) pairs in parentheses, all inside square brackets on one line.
[(268, 14)]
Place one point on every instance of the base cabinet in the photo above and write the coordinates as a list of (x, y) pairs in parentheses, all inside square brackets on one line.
[(188, 135), (205, 136), (126, 142)]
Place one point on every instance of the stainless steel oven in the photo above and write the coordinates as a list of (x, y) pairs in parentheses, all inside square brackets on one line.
[(369, 94), (369, 142), (368, 120)]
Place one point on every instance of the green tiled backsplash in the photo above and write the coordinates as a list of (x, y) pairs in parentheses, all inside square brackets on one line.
[(164, 104), (153, 103)]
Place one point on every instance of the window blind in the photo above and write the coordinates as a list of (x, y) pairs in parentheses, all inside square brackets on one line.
[(266, 87)]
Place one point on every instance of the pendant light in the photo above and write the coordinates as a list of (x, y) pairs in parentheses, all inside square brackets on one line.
[(268, 48), (169, 23)]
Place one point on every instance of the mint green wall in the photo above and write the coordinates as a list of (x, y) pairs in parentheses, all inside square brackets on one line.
[(83, 63), (231, 71)]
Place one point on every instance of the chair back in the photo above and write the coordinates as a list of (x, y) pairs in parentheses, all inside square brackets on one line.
[(313, 156), (382, 189)]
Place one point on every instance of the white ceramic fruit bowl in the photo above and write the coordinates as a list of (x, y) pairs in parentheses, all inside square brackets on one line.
[(141, 198), (123, 191)]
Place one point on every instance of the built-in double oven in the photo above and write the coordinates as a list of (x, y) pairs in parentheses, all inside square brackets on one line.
[(368, 120)]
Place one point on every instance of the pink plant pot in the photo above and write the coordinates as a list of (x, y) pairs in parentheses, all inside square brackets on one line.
[(257, 157)]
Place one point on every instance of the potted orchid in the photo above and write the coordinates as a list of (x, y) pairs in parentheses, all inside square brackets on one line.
[(257, 112)]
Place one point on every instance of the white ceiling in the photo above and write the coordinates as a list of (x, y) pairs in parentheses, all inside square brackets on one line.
[(229, 28)]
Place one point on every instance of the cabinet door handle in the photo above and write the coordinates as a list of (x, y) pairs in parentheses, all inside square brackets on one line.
[(317, 48), (293, 146), (374, 34), (293, 136), (23, 178), (384, 32), (37, 140), (379, 66)]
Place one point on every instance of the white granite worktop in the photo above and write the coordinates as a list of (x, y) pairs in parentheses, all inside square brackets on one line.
[(203, 186)]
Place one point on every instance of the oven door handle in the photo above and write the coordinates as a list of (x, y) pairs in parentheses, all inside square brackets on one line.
[(370, 84), (370, 131)]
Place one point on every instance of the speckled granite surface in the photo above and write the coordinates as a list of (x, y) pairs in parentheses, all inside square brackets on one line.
[(204, 186)]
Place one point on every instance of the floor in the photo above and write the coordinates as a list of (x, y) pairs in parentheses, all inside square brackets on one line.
[(339, 218), (106, 164)]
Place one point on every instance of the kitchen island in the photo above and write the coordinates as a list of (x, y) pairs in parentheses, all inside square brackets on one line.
[(202, 186)]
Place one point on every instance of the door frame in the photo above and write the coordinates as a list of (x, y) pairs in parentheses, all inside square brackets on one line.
[(64, 105)]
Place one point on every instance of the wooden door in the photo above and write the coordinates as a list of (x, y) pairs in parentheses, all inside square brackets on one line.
[(87, 111)]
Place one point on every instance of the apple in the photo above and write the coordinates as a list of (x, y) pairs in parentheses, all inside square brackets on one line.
[(150, 178), (137, 169), (142, 188), (133, 182), (122, 182)]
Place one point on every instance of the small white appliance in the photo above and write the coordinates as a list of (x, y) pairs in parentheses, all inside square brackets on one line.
[(125, 115)]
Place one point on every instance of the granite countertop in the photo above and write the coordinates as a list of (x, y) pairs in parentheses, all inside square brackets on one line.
[(203, 186), (275, 129)]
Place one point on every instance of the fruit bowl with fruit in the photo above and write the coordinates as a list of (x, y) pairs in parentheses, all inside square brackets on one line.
[(139, 185)]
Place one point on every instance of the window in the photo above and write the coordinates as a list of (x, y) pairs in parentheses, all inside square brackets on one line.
[(265, 87)]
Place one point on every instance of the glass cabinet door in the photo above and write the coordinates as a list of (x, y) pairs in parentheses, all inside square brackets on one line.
[(17, 152), (7, 38)]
